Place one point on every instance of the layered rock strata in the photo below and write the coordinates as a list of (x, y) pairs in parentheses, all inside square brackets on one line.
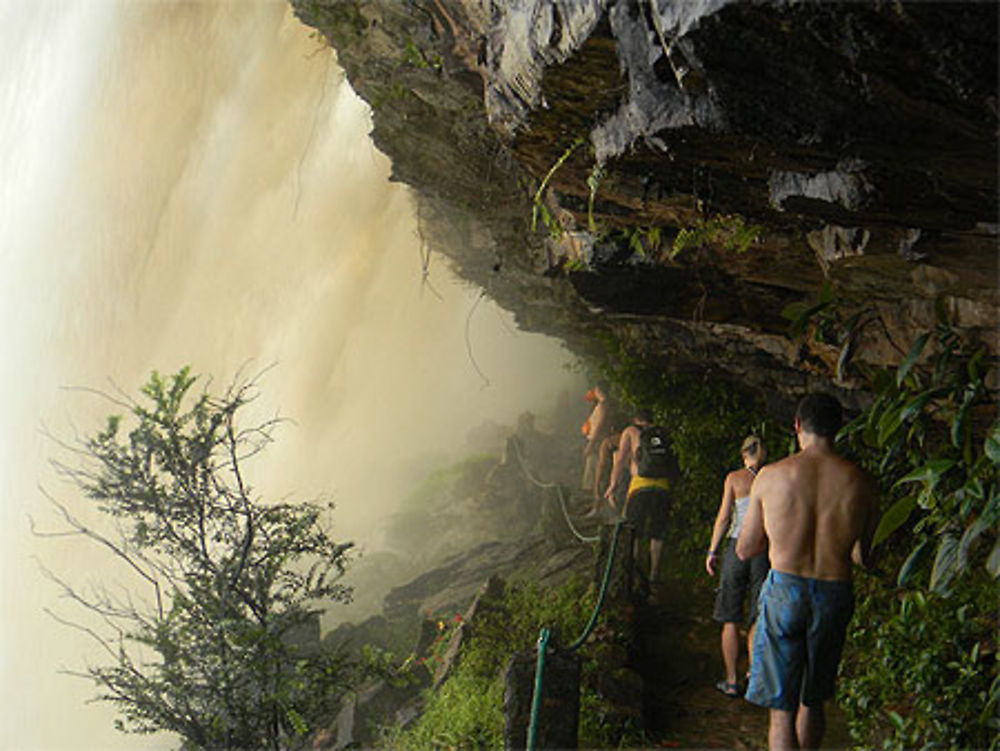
[(674, 174)]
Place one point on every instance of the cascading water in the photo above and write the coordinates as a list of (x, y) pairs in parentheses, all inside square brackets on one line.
[(192, 183)]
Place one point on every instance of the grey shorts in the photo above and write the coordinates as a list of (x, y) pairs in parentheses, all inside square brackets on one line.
[(738, 581), (799, 640)]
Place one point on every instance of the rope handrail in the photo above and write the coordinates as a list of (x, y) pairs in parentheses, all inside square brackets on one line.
[(559, 492), (608, 567), (544, 635)]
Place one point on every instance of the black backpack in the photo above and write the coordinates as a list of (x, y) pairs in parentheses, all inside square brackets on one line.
[(653, 457)]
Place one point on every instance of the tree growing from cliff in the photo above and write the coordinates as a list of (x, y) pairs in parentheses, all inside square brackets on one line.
[(212, 649)]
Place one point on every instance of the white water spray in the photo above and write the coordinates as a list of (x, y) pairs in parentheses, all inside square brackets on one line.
[(192, 183)]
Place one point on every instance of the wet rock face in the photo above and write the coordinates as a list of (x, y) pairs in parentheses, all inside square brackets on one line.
[(706, 162)]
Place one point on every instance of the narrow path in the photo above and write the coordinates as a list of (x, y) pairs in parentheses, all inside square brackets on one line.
[(680, 666)]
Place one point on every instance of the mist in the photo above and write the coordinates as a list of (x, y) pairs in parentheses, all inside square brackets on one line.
[(193, 184)]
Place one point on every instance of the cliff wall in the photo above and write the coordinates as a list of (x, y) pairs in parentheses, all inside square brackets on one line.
[(685, 176)]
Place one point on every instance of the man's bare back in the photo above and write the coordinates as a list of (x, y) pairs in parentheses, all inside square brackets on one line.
[(816, 509), (817, 512)]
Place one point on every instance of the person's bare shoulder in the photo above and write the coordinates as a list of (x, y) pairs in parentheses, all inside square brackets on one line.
[(854, 474), (776, 470)]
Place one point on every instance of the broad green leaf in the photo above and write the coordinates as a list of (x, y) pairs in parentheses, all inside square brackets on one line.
[(846, 353), (929, 473), (914, 561), (858, 423), (911, 358), (894, 518), (958, 425), (972, 367), (992, 446), (915, 405), (946, 564), (896, 720), (993, 561), (986, 520), (889, 424)]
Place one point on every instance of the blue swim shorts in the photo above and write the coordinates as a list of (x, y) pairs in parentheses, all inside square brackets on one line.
[(799, 640)]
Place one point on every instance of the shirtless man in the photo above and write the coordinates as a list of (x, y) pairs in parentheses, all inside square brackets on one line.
[(598, 426), (648, 497), (817, 510)]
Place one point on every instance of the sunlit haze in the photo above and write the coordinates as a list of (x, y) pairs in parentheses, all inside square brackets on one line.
[(193, 183)]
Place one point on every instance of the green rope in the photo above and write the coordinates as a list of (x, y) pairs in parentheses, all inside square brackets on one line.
[(536, 698), (543, 641), (604, 589), (559, 491), (569, 522)]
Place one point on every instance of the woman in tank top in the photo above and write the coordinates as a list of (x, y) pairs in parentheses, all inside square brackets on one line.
[(739, 579)]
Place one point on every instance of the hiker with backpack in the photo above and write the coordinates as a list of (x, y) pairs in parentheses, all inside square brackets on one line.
[(645, 451)]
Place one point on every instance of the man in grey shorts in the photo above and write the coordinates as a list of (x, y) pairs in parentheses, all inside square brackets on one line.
[(817, 510)]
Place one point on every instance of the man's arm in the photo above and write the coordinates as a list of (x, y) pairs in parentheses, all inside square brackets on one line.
[(753, 538), (623, 456), (721, 524), (861, 553)]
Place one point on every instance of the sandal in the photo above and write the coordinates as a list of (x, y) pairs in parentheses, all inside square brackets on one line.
[(732, 690)]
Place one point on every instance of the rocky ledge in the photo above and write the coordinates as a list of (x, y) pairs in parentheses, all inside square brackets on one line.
[(676, 174)]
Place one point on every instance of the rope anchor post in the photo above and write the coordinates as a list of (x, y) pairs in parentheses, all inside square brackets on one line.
[(542, 698)]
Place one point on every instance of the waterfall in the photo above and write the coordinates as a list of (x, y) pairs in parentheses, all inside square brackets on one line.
[(192, 183)]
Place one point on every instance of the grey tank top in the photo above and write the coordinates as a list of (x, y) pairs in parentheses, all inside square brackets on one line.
[(740, 506)]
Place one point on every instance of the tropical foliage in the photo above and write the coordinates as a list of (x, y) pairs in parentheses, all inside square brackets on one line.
[(922, 667), (214, 646)]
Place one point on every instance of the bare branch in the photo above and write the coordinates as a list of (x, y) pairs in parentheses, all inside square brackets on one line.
[(116, 549)]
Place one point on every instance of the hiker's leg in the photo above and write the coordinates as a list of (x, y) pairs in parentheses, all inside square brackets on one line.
[(750, 633), (810, 722), (781, 732), (603, 462), (730, 649), (655, 549), (589, 464)]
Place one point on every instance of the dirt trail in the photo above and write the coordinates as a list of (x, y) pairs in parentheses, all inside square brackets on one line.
[(681, 666)]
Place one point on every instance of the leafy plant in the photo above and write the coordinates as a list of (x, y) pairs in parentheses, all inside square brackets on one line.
[(414, 57), (832, 321), (212, 647), (944, 468), (921, 669), (594, 180), (643, 241), (539, 210), (727, 230)]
